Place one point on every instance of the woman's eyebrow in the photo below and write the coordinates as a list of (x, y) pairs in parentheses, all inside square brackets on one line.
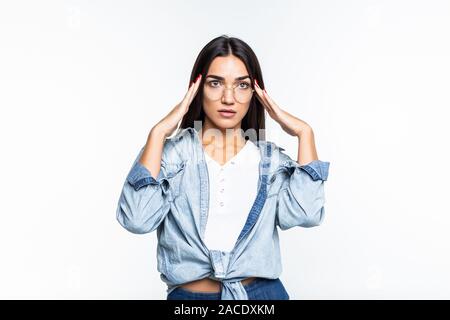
[(222, 78)]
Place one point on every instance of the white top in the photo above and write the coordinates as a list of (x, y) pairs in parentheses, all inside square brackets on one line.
[(232, 192)]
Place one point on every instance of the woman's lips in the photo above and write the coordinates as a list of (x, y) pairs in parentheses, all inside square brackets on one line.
[(227, 114)]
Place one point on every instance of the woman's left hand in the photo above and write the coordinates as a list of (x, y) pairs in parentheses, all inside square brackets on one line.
[(292, 125)]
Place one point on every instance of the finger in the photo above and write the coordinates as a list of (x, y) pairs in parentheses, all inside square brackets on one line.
[(259, 94), (272, 103), (195, 87), (269, 103), (191, 91), (265, 104), (266, 107), (261, 97), (188, 92)]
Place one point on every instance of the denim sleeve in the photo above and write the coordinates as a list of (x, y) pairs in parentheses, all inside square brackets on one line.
[(144, 200), (301, 201)]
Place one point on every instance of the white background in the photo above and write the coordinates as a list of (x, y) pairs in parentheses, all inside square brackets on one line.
[(83, 82)]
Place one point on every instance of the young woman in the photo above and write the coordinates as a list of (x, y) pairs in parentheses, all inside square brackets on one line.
[(216, 191)]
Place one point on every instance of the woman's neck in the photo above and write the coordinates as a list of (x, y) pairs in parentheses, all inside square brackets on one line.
[(221, 143)]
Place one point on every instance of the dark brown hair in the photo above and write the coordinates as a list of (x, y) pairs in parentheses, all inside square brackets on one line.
[(224, 46)]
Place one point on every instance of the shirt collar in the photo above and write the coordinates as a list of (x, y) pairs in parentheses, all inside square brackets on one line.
[(237, 159)]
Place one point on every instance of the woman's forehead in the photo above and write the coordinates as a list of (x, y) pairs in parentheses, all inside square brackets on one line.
[(228, 67)]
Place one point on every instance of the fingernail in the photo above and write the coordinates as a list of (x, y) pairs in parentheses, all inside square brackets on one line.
[(265, 91), (256, 81)]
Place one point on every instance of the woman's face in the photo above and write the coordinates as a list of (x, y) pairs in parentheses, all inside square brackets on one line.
[(226, 72)]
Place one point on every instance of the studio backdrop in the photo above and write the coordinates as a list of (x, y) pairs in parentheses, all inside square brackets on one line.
[(83, 82)]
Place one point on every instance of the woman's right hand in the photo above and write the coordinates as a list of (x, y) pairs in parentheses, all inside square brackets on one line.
[(169, 123)]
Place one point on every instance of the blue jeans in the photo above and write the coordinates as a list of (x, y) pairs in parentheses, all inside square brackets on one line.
[(258, 289)]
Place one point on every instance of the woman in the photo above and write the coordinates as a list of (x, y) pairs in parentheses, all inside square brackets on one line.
[(217, 191)]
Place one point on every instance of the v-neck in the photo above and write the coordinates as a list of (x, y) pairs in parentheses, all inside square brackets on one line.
[(231, 160)]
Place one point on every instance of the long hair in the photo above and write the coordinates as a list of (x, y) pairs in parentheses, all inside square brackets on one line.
[(224, 46)]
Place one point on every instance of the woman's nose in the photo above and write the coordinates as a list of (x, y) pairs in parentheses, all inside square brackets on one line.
[(228, 95)]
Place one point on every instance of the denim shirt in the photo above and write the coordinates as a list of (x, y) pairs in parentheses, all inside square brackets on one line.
[(176, 203)]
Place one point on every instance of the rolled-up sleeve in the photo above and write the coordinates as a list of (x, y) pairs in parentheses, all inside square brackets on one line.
[(144, 201), (301, 200), (139, 176)]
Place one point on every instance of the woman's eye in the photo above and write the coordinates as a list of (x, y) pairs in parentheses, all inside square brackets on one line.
[(212, 82), (215, 83)]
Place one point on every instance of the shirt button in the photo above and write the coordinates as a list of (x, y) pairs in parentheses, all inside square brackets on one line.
[(232, 162), (221, 190), (221, 204)]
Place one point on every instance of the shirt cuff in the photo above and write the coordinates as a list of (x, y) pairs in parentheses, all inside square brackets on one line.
[(139, 176), (317, 169)]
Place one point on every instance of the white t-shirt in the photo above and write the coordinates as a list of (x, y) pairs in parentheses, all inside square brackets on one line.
[(233, 190)]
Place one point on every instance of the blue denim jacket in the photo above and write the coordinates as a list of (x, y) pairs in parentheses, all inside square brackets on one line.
[(176, 205)]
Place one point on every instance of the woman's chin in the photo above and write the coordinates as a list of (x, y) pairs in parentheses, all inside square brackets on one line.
[(226, 123)]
